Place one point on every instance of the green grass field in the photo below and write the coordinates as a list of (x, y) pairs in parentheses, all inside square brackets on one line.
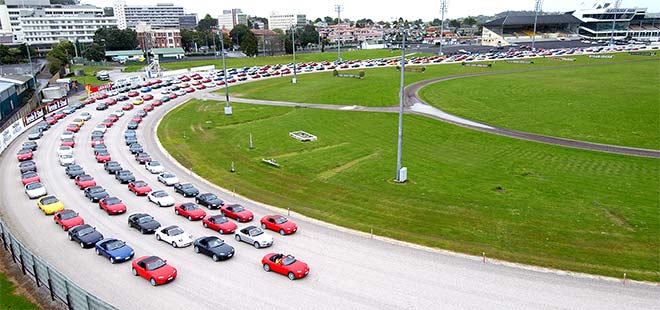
[(468, 191), (8, 298), (90, 75), (272, 60), (614, 104)]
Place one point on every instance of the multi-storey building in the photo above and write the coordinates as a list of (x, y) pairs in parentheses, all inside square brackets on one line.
[(159, 16), (604, 22), (157, 38), (188, 21), (231, 18), (286, 21)]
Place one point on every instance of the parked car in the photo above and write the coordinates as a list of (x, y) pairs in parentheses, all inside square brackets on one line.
[(279, 224), (154, 269), (124, 176), (143, 222), (112, 167), (95, 193), (115, 250), (72, 171), (29, 177), (27, 165), (67, 218), (153, 166), (168, 179), (190, 211), (161, 198), (35, 134), (139, 188), (50, 204), (209, 200), (236, 212), (85, 235), (66, 160), (24, 154), (85, 181), (286, 265), (255, 236), (220, 224), (35, 190), (112, 205), (175, 236), (30, 145), (214, 247), (186, 189)]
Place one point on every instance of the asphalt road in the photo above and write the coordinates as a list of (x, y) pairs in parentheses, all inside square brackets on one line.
[(348, 270)]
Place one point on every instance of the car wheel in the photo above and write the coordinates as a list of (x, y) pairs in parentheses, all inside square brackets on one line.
[(238, 238), (282, 232), (112, 260), (291, 276), (152, 281), (220, 231), (141, 231), (256, 245), (63, 227), (82, 245), (174, 244), (263, 226), (158, 237), (189, 218), (133, 271), (70, 238), (176, 211), (97, 251), (266, 267), (205, 225), (159, 205), (215, 258), (196, 249)]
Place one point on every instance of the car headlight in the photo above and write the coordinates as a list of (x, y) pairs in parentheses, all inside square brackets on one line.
[(132, 252), (117, 257)]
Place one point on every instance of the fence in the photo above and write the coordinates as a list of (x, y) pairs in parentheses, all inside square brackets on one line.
[(59, 286)]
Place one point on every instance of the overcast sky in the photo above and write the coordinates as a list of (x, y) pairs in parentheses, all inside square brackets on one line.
[(376, 9)]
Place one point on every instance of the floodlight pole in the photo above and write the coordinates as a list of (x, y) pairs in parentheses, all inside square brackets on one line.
[(338, 8), (224, 74), (613, 28), (443, 10), (537, 8), (401, 99), (293, 48), (215, 51), (27, 46)]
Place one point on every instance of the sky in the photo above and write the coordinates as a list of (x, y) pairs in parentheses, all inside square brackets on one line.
[(376, 9)]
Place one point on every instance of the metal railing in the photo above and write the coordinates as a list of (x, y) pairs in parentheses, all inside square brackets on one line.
[(46, 276)]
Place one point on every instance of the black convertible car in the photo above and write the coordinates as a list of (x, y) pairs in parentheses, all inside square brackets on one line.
[(143, 222), (86, 235), (214, 247)]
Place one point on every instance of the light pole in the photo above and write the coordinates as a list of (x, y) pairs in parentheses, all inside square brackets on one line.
[(104, 51), (215, 51), (224, 74), (613, 28), (401, 177), (34, 80), (293, 47), (338, 8), (537, 9), (443, 10)]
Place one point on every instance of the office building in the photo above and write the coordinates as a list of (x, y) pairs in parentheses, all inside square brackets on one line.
[(286, 21), (188, 21), (231, 18), (159, 16)]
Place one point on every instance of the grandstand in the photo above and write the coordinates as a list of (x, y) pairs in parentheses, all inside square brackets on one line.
[(513, 29), (633, 23)]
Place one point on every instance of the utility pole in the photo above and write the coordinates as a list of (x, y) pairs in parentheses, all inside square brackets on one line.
[(293, 47), (338, 9), (537, 9), (613, 28), (443, 10), (401, 178), (224, 74), (27, 46), (215, 51)]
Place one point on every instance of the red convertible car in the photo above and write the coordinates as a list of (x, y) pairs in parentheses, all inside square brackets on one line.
[(220, 224), (85, 181), (30, 177), (112, 205), (279, 224), (68, 218), (24, 154), (236, 212), (190, 211), (154, 269), (140, 188), (286, 265)]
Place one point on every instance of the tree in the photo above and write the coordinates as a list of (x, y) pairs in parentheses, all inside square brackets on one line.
[(94, 52), (318, 20), (329, 20), (307, 35), (364, 23), (115, 39), (207, 23), (249, 44), (238, 33), (470, 21), (455, 23), (60, 56), (187, 39)]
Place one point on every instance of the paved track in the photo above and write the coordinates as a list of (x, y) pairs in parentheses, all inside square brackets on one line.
[(348, 270)]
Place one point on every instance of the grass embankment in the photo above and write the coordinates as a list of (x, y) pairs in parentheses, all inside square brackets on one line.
[(90, 75), (613, 104), (9, 299), (272, 60), (468, 191)]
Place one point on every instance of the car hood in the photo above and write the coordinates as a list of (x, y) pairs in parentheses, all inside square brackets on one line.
[(124, 251), (225, 248), (165, 271), (298, 265), (150, 225), (92, 237), (263, 238)]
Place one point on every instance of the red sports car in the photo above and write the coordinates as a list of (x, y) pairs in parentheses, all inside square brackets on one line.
[(172, 96), (147, 97), (68, 218), (220, 83), (185, 79), (279, 224), (97, 140), (157, 103), (231, 81), (24, 154), (189, 210), (59, 115), (29, 177), (148, 108), (190, 90), (68, 142), (206, 81), (101, 96), (137, 119), (236, 212), (140, 188), (111, 101), (114, 118), (133, 94), (200, 87), (89, 101), (286, 265), (154, 269), (127, 107), (85, 181), (102, 157), (197, 77), (107, 122), (112, 205), (51, 120), (72, 128), (220, 224)]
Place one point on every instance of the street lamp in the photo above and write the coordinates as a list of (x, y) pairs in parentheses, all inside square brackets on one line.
[(224, 74), (401, 172), (34, 80), (338, 9), (104, 50), (537, 9), (443, 10), (293, 47), (215, 52)]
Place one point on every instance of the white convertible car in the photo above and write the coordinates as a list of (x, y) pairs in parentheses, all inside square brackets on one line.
[(35, 190), (175, 236), (255, 236), (161, 198), (168, 179)]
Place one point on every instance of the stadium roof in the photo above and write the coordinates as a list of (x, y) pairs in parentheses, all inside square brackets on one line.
[(124, 53), (167, 51), (529, 20)]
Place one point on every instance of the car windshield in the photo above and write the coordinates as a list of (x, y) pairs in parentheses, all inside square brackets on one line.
[(220, 219), (85, 231), (140, 184), (153, 163), (96, 190), (281, 220), (34, 185), (24, 151), (155, 264), (160, 194), (288, 260), (68, 215), (189, 206), (29, 175), (237, 208), (66, 156), (256, 232), (146, 219), (175, 231), (215, 243), (211, 196), (112, 201), (168, 175), (187, 186), (49, 200), (116, 244)]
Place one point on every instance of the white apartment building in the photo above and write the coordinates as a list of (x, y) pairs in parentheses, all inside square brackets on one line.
[(231, 18), (286, 21), (51, 25), (159, 16)]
